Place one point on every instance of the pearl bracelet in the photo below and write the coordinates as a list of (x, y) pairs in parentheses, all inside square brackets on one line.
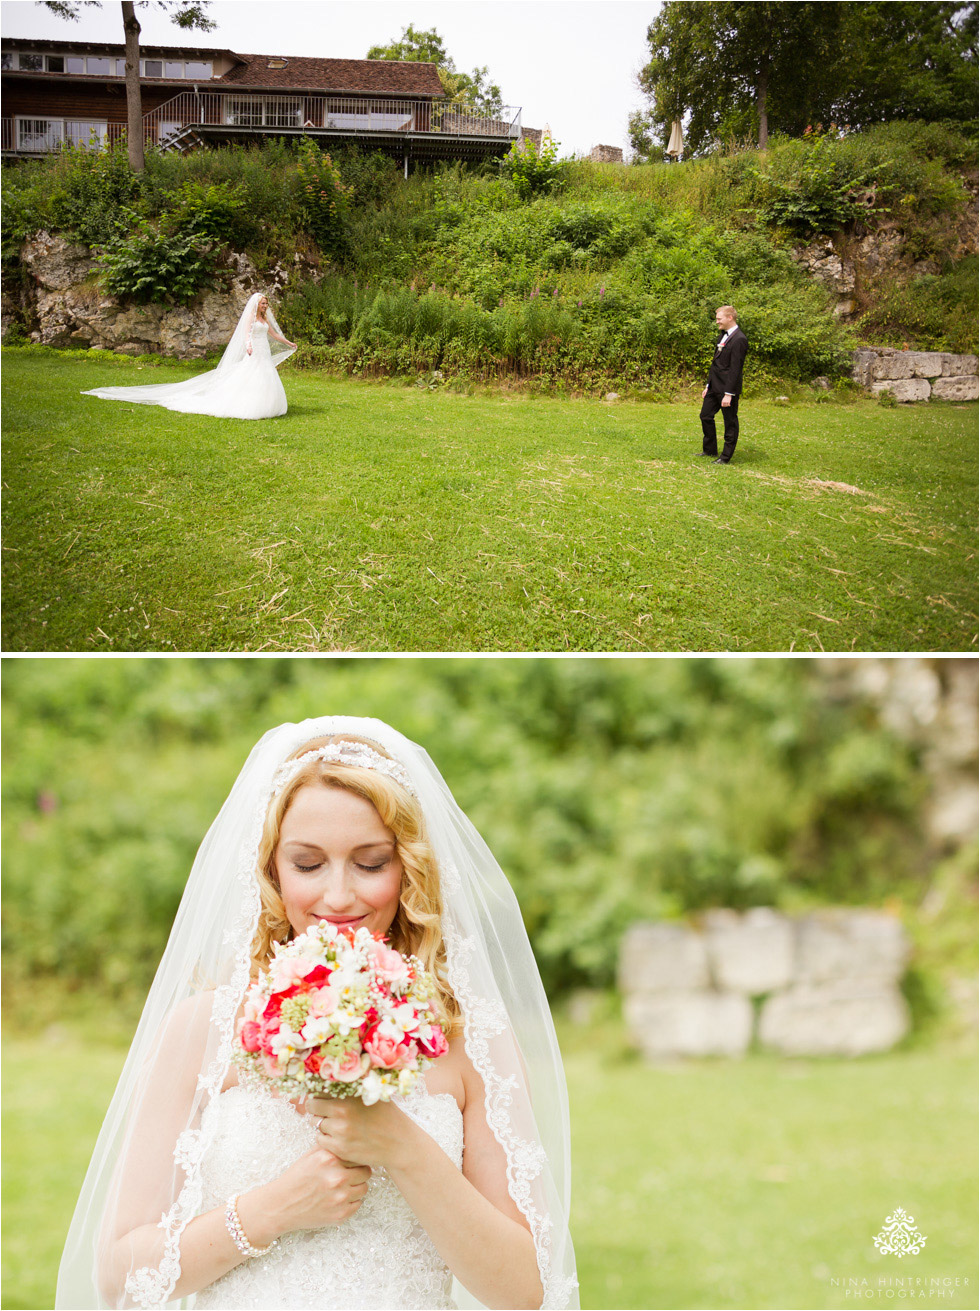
[(233, 1224)]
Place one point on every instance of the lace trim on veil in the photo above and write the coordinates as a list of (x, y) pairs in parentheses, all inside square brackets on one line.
[(485, 1018), (150, 1287)]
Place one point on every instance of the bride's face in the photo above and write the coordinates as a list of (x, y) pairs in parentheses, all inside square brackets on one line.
[(337, 861)]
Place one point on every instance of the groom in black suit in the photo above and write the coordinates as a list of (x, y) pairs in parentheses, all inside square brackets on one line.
[(723, 386)]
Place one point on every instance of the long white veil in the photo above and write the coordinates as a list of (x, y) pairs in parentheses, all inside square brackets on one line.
[(205, 383), (507, 1028)]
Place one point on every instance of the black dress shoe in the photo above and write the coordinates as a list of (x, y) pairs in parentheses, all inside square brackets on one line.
[(721, 460)]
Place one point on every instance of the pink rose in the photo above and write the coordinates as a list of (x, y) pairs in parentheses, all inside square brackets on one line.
[(287, 970), (435, 1044), (270, 1066), (385, 1053), (324, 1001), (389, 964), (348, 1068), (251, 1036)]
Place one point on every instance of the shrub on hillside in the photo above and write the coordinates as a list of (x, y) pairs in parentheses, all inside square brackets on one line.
[(535, 169), (323, 197), (151, 264)]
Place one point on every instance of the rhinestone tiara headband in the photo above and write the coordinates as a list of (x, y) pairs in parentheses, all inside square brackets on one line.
[(358, 754)]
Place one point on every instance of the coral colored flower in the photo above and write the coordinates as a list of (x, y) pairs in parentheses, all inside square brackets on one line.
[(349, 1068), (251, 1036), (385, 1053), (435, 1044)]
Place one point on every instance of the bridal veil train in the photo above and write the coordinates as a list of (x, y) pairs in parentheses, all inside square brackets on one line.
[(174, 1145), (245, 384)]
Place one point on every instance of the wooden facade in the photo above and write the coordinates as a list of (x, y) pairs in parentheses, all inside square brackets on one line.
[(393, 106)]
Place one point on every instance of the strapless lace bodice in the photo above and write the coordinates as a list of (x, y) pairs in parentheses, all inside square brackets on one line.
[(381, 1257)]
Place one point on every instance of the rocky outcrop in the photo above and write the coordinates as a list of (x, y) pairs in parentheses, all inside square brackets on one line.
[(917, 375), (824, 984), (822, 262), (72, 310)]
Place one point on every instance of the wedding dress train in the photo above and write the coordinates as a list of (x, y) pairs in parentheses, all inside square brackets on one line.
[(245, 385), (381, 1257)]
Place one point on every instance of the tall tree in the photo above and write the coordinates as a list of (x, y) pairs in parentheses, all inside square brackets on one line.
[(731, 69), (915, 60), (475, 90), (184, 15), (737, 67)]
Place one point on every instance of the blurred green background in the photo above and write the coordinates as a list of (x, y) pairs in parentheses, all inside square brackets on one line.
[(610, 790)]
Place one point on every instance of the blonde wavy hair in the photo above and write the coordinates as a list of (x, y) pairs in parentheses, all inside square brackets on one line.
[(417, 927)]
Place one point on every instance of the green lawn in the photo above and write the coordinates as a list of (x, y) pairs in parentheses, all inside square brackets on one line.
[(380, 517), (745, 1184)]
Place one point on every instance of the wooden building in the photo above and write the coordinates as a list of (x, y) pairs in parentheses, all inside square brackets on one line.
[(58, 93)]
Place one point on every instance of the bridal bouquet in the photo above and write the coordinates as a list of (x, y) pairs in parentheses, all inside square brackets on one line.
[(339, 1014)]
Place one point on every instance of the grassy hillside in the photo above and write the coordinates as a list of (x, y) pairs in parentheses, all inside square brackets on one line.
[(575, 275)]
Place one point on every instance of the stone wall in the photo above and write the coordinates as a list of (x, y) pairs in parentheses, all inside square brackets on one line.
[(917, 375), (825, 984), (70, 308), (607, 154)]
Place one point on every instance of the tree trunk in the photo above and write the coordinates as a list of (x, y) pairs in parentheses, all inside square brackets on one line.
[(761, 86), (134, 99)]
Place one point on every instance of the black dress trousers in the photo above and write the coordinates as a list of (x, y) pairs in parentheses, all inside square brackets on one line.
[(709, 408)]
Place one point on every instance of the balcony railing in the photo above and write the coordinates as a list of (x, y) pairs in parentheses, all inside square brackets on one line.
[(44, 136), (265, 114), (231, 114)]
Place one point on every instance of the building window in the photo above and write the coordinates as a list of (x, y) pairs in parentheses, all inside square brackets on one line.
[(197, 70), (98, 66), (87, 134), (8, 60), (33, 63), (173, 70), (74, 64), (39, 134), (153, 68), (277, 111), (55, 63)]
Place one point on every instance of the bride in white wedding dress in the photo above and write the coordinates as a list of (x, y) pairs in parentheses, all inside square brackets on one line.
[(245, 384), (456, 1194)]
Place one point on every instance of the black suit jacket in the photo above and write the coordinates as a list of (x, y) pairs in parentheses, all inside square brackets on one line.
[(725, 373)]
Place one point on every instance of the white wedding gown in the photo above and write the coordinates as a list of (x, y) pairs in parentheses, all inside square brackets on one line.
[(380, 1258), (250, 389)]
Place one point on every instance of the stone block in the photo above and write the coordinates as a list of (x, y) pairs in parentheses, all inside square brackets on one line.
[(753, 955), (892, 364), (662, 958), (689, 1024), (904, 389), (956, 389), (925, 364), (843, 945), (959, 366), (834, 1019), (862, 361)]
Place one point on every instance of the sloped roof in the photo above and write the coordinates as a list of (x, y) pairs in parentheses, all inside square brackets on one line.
[(300, 73)]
